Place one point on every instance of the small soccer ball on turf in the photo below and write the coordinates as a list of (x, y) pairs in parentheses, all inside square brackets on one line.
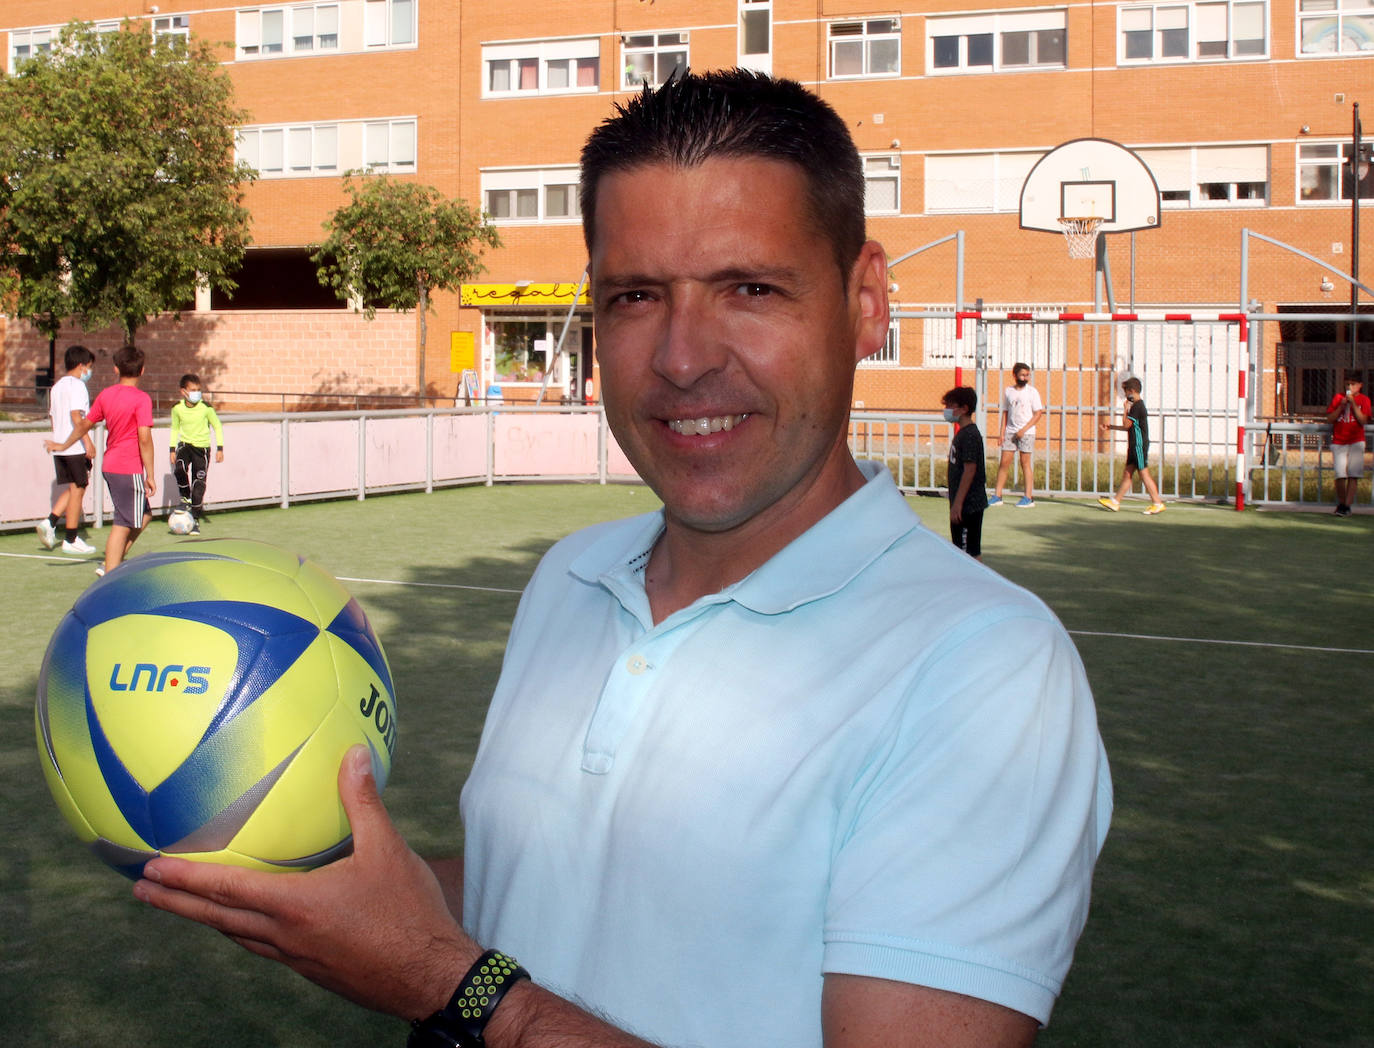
[(199, 703), (181, 522)]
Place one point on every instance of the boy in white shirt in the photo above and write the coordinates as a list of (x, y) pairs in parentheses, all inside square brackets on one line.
[(68, 402), (1021, 410)]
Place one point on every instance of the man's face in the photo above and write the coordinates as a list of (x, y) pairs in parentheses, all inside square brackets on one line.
[(1020, 377), (727, 341)]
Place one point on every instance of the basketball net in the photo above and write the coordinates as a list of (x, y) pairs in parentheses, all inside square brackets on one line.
[(1081, 234)]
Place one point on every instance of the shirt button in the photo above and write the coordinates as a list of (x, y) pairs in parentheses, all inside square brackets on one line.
[(637, 664)]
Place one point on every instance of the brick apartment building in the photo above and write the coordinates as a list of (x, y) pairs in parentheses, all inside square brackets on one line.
[(1242, 109)]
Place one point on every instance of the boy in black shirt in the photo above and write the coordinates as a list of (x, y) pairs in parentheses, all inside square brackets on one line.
[(1136, 425), (968, 477)]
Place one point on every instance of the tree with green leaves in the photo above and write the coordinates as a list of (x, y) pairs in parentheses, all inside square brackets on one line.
[(395, 243), (119, 191)]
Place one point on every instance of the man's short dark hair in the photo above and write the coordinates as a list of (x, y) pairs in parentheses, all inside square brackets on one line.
[(965, 397), (1355, 376), (188, 378), (76, 356), (1019, 366), (737, 114), (128, 361), (1131, 385)]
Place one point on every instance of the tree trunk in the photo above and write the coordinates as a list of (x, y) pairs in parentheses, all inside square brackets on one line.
[(424, 310)]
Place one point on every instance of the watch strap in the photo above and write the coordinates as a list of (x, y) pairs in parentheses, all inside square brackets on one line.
[(460, 1023)]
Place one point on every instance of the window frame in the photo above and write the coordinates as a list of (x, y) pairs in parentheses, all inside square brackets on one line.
[(661, 46), (544, 54), (538, 181), (868, 35), (248, 43), (892, 172), (1337, 160), (1335, 16), (1200, 161), (998, 27), (1191, 30), (890, 356)]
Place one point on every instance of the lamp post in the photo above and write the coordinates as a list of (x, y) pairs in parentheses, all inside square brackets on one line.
[(1357, 148)]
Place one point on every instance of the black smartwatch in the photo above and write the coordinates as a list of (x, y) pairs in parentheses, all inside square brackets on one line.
[(460, 1023)]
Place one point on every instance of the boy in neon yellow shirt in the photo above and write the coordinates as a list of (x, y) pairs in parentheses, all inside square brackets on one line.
[(192, 420)]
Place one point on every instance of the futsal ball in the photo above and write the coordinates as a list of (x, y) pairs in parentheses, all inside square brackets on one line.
[(199, 703), (181, 522)]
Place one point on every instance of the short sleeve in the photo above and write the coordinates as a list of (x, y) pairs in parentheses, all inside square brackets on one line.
[(966, 859)]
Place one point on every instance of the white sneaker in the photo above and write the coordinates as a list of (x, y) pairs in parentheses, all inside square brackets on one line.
[(47, 534), (100, 571), (78, 546)]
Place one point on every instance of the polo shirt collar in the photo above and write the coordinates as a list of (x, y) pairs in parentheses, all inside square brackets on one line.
[(819, 562)]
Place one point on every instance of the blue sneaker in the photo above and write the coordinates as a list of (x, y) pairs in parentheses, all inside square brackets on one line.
[(1026, 502), (995, 500)]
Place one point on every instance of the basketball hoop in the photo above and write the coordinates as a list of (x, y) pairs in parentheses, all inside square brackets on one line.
[(1081, 234)]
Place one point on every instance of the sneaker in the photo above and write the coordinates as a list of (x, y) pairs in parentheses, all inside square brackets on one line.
[(47, 534), (100, 571), (1343, 511), (1026, 502), (195, 529), (78, 546), (1155, 509), (996, 500), (1107, 502)]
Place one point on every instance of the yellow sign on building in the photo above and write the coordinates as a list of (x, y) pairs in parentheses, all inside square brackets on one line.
[(522, 294), (462, 352)]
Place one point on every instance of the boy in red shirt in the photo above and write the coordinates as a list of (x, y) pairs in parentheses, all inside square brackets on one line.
[(128, 464), (1348, 414)]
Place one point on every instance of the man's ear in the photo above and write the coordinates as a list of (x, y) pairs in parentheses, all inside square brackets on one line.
[(868, 293)]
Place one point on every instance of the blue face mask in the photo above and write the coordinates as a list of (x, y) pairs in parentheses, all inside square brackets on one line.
[(86, 375), (193, 396), (951, 415)]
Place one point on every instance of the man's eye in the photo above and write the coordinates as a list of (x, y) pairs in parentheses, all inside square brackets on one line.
[(630, 298), (755, 290)]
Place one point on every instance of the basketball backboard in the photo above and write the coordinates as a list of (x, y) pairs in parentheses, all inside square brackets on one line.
[(1090, 178)]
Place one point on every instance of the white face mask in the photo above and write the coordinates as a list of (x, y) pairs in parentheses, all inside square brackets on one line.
[(951, 415), (193, 396), (86, 375)]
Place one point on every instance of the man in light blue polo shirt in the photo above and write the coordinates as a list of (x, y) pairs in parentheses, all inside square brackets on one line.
[(775, 766)]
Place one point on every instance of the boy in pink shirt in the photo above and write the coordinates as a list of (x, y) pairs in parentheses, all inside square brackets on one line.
[(128, 464)]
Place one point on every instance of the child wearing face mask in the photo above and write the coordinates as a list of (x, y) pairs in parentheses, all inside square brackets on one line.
[(968, 477), (68, 402), (192, 420)]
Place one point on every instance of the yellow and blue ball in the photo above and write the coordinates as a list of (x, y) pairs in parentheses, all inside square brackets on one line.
[(198, 703)]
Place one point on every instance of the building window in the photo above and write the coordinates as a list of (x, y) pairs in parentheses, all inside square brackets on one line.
[(1335, 26), (275, 32), (389, 145), (1210, 176), (532, 195), (882, 184), (976, 182), (651, 59), (756, 35), (173, 27), (993, 42), (316, 150), (1325, 174), (890, 354), (541, 67), (1194, 32), (868, 48), (389, 23), (29, 43)]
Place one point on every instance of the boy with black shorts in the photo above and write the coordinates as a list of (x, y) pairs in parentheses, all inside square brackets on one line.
[(128, 464), (1136, 425), (968, 477), (68, 402), (192, 420)]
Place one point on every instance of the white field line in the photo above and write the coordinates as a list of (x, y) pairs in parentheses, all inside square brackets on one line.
[(1210, 640), (1074, 633)]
